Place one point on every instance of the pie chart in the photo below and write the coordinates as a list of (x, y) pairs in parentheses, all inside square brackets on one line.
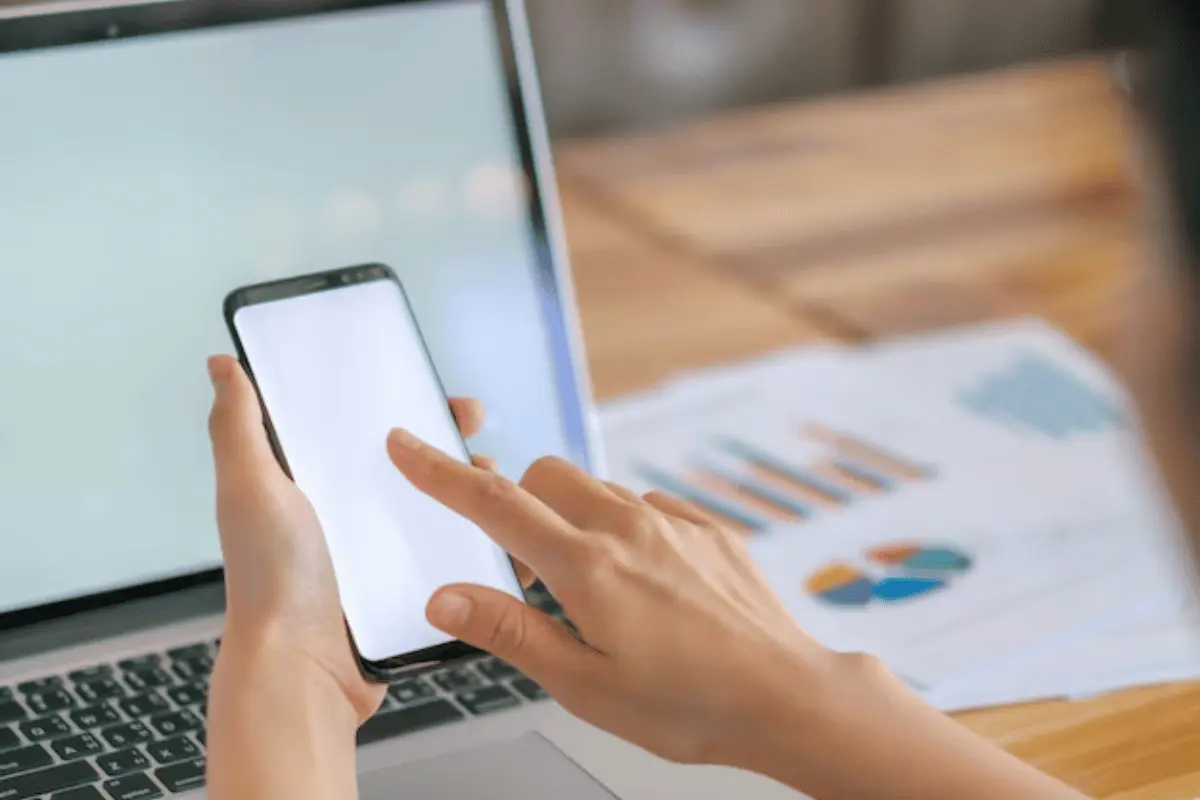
[(891, 573)]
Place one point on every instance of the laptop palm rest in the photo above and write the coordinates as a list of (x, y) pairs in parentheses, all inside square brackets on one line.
[(529, 767)]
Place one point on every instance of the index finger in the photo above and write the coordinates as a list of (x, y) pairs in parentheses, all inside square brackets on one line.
[(520, 523)]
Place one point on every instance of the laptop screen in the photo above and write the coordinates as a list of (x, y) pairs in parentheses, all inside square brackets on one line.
[(142, 179)]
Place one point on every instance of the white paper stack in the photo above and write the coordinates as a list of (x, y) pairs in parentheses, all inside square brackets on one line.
[(971, 506)]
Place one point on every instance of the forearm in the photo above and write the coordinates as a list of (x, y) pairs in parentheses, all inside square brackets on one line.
[(868, 736), (277, 728)]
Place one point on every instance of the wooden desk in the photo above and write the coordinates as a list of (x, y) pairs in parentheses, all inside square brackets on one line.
[(855, 218), (649, 310)]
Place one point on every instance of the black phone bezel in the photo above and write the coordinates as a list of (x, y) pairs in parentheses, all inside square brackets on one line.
[(381, 671)]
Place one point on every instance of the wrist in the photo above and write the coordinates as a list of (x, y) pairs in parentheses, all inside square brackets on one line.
[(279, 725), (818, 713), (260, 666), (844, 726)]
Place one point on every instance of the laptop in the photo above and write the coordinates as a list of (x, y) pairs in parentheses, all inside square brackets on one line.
[(154, 156)]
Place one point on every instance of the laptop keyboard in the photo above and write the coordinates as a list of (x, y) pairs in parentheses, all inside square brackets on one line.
[(135, 729)]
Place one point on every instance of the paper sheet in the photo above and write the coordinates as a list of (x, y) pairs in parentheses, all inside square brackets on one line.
[(965, 505)]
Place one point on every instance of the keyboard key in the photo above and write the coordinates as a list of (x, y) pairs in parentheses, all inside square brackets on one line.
[(197, 665), (6, 694), (149, 661), (100, 689), (91, 673), (82, 793), (8, 738), (143, 679), (487, 700), (132, 787), (185, 673), (50, 700), (74, 747), (96, 716), (192, 694), (97, 690), (171, 750), (455, 679), (177, 722), (192, 667), (40, 685), (143, 705), (123, 761), (496, 669), (410, 691), (406, 720), (23, 760), (182, 777), (36, 730), (202, 737), (11, 711), (54, 779), (529, 689), (188, 651), (124, 735)]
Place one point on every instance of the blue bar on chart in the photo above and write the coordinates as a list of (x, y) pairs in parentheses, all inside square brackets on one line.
[(796, 476), (705, 500), (864, 474), (758, 490), (1038, 396)]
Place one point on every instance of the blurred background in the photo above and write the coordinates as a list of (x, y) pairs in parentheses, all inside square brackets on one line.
[(614, 65), (626, 65)]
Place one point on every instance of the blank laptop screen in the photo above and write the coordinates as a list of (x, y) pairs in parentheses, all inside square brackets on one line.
[(142, 179)]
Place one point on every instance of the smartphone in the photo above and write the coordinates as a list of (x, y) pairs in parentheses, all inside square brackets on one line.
[(338, 361)]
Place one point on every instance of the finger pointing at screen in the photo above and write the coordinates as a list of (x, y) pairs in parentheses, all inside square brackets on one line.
[(676, 613)]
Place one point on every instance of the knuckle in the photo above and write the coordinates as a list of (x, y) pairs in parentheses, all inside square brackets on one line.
[(723, 534), (638, 524), (216, 421), (427, 474), (509, 631), (864, 666), (484, 462), (625, 519), (655, 497), (541, 471), (432, 469), (602, 562), (681, 536), (493, 489)]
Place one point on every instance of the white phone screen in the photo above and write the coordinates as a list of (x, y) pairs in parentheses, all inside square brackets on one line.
[(337, 369)]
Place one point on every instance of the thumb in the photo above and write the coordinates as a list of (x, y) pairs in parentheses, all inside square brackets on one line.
[(535, 643), (240, 447)]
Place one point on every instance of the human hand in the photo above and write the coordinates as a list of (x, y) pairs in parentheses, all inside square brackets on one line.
[(689, 652), (279, 581)]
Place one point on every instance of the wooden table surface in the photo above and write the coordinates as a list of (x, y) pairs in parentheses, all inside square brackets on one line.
[(854, 218)]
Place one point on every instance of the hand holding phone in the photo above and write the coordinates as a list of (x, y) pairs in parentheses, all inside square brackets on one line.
[(338, 361)]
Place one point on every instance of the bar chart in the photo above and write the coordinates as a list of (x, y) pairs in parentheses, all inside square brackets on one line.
[(751, 485), (1036, 396)]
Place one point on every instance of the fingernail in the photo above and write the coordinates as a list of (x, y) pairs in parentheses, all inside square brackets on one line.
[(450, 610), (404, 439)]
